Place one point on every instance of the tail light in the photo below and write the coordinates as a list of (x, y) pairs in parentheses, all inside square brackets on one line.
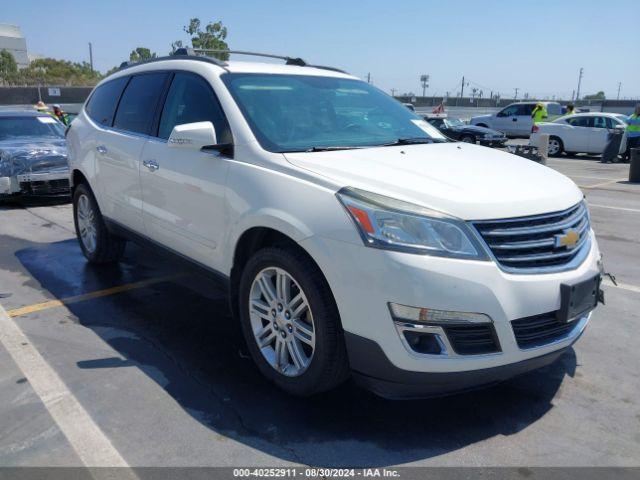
[(534, 129)]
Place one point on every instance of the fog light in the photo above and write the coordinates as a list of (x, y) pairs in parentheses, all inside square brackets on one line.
[(423, 342), (430, 315)]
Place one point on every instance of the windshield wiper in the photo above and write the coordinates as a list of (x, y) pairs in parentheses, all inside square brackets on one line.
[(331, 148), (412, 141)]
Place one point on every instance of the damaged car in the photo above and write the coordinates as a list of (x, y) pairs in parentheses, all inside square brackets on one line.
[(33, 155)]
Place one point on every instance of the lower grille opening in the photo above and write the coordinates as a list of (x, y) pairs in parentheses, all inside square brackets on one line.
[(540, 330), (472, 339), (45, 187), (423, 342)]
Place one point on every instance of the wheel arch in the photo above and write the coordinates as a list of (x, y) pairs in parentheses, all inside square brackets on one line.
[(250, 241)]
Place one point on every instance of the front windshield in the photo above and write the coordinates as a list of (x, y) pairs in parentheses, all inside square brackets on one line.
[(25, 128), (293, 113), (454, 122)]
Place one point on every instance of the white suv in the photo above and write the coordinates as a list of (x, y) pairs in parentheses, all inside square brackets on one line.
[(353, 237)]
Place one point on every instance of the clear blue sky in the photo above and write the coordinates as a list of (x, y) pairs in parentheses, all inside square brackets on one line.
[(536, 45)]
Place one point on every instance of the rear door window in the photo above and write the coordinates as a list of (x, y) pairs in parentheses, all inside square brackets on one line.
[(191, 99), (104, 99), (139, 102), (581, 121)]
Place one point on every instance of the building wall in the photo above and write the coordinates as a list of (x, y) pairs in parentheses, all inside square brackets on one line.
[(11, 39)]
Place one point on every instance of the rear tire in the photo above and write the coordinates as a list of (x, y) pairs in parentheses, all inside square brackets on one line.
[(98, 245), (301, 347), (468, 139), (556, 147)]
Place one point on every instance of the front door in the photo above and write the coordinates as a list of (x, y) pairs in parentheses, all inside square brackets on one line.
[(183, 190)]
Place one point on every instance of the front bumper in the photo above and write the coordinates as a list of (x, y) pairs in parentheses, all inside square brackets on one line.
[(493, 142), (48, 184), (372, 369), (376, 277)]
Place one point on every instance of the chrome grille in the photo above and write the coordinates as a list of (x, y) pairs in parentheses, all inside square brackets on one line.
[(532, 244)]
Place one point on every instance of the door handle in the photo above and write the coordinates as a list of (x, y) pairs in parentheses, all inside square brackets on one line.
[(101, 149), (152, 165)]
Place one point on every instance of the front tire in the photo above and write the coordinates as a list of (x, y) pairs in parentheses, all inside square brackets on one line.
[(96, 243), (291, 323), (468, 139)]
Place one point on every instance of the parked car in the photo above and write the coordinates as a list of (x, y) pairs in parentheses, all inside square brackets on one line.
[(352, 236), (515, 119), (456, 129), (580, 133), (33, 155)]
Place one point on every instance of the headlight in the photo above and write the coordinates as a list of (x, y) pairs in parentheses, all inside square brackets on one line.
[(391, 224)]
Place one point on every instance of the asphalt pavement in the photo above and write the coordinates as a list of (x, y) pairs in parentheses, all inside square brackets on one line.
[(142, 364)]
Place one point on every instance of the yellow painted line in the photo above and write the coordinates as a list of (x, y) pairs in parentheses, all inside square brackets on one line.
[(603, 183), (37, 307)]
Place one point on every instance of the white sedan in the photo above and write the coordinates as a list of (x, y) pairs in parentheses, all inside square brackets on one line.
[(579, 133)]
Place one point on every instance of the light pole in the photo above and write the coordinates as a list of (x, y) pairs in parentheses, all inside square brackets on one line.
[(91, 56), (516, 95), (619, 87), (424, 79)]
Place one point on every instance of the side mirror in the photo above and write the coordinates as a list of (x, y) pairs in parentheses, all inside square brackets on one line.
[(620, 127), (193, 136)]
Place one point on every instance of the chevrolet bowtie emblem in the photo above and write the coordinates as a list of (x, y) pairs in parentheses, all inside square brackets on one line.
[(568, 239)]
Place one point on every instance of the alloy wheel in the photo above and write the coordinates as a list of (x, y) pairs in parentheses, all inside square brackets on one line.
[(554, 147), (87, 223), (282, 321)]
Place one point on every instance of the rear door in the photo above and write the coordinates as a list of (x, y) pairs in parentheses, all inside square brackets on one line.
[(577, 138), (184, 192), (119, 148)]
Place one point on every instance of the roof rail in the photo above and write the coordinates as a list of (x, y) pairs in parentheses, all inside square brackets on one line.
[(288, 60), (188, 53)]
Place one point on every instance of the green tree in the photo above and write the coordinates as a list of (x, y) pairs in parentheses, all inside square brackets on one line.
[(211, 38), (595, 96), (141, 54), (8, 67), (57, 72)]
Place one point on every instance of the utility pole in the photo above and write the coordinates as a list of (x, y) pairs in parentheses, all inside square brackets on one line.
[(369, 77), (619, 87), (516, 95), (91, 56), (393, 92), (579, 82), (462, 88)]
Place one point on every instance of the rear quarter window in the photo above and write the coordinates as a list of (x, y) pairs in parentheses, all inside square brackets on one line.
[(104, 99)]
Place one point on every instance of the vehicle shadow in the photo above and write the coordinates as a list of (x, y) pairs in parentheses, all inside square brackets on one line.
[(181, 334)]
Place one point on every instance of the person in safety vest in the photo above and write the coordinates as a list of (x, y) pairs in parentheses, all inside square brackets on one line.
[(60, 115), (570, 109), (633, 131), (539, 113)]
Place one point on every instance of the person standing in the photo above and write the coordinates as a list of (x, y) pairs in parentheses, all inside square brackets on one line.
[(539, 113), (633, 131), (60, 115)]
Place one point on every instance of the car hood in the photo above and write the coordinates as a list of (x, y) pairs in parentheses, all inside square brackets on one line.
[(464, 180), (32, 156)]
